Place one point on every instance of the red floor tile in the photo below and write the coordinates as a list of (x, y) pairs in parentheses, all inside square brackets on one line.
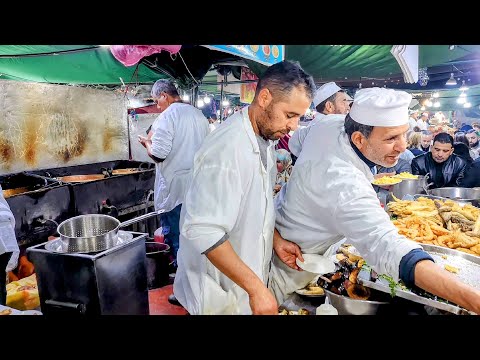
[(159, 305)]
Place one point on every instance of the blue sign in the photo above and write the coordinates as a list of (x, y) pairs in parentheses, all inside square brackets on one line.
[(263, 54)]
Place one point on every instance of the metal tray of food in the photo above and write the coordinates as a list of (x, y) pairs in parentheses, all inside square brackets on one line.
[(468, 271), (6, 310)]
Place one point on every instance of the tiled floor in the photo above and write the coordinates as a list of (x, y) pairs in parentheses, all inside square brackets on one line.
[(159, 305)]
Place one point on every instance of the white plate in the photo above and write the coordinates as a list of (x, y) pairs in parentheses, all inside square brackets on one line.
[(316, 264)]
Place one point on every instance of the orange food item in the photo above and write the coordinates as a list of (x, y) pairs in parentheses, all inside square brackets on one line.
[(23, 294), (25, 267), (12, 276)]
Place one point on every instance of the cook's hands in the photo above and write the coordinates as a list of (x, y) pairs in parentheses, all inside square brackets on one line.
[(386, 187), (143, 140), (262, 302), (287, 251)]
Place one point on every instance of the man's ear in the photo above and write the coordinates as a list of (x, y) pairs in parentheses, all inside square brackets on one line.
[(359, 140), (264, 98)]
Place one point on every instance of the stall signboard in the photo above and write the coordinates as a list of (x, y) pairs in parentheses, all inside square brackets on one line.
[(263, 54), (247, 91)]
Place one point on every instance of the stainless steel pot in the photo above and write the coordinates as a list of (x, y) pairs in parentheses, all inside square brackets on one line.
[(94, 232), (461, 195), (411, 187), (349, 306)]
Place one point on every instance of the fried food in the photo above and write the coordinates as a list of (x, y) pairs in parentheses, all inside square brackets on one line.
[(452, 269), (437, 222), (386, 180), (314, 290), (6, 312), (405, 175)]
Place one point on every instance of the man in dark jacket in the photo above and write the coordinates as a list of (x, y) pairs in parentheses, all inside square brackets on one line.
[(472, 175), (443, 166)]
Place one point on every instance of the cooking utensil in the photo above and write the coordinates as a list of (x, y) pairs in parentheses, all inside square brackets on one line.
[(411, 187), (349, 306), (462, 195), (81, 178), (59, 246), (94, 232)]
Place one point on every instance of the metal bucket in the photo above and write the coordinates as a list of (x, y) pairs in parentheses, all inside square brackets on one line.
[(411, 187), (349, 306), (157, 264)]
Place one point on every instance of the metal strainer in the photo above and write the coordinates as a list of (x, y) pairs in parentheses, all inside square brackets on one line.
[(94, 232)]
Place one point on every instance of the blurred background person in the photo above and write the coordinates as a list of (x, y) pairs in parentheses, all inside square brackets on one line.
[(414, 143), (422, 122), (472, 138), (445, 169), (461, 137), (284, 168), (426, 140), (412, 120)]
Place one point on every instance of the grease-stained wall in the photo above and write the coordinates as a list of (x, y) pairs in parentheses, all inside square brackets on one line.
[(44, 126)]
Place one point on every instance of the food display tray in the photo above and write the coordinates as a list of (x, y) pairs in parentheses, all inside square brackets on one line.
[(469, 273)]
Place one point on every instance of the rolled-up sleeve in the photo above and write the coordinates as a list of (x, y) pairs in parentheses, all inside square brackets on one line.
[(367, 226), (162, 138), (212, 205)]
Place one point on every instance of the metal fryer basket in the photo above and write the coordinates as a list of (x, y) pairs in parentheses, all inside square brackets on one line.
[(94, 232), (89, 233)]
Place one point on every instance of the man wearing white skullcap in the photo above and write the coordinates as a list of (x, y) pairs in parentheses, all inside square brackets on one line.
[(329, 99), (329, 197), (412, 120)]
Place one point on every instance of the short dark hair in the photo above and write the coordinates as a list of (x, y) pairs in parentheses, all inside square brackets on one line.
[(351, 126), (321, 107), (460, 138), (163, 85), (443, 138), (281, 78)]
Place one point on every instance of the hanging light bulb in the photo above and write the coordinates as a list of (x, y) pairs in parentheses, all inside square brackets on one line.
[(436, 104), (461, 100), (451, 81), (463, 87), (422, 108), (200, 103), (463, 95), (428, 103), (467, 105), (185, 97), (225, 102), (435, 95), (206, 99)]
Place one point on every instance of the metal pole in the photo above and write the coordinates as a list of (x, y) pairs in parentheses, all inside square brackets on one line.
[(221, 102)]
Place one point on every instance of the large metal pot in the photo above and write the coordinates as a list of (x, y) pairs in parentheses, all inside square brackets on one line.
[(349, 306), (461, 195), (411, 187)]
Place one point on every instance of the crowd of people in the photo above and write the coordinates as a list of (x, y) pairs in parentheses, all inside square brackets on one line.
[(248, 210)]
